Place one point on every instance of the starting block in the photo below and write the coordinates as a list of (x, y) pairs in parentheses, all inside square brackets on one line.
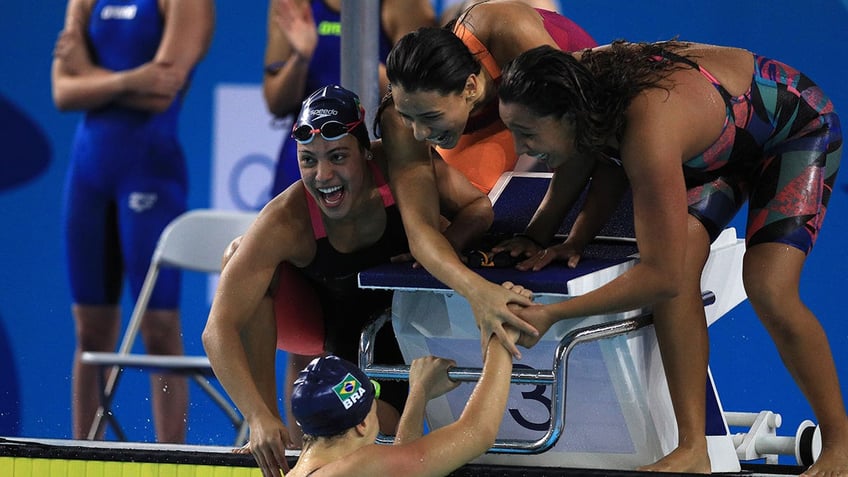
[(592, 393)]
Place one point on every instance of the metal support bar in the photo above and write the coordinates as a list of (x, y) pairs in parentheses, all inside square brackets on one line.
[(360, 62), (555, 377)]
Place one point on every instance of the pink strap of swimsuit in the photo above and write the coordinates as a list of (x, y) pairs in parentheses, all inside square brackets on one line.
[(318, 229)]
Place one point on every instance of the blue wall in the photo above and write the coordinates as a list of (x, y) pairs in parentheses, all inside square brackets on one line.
[(34, 297)]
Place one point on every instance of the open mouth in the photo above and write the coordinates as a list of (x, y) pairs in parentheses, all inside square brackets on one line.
[(331, 196), (439, 140)]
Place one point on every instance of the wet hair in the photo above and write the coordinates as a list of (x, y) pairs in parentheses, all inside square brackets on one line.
[(431, 59), (308, 439), (428, 59), (593, 91)]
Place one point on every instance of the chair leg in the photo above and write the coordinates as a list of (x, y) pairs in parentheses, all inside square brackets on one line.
[(243, 434), (104, 412)]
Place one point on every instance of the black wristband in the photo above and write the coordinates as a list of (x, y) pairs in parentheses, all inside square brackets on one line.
[(524, 235), (274, 67)]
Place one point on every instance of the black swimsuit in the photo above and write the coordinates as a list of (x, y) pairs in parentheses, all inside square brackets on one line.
[(346, 307)]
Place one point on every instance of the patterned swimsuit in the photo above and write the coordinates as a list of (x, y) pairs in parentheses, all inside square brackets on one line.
[(780, 149)]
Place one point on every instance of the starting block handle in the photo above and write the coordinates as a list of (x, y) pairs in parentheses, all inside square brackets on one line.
[(555, 377), (401, 373)]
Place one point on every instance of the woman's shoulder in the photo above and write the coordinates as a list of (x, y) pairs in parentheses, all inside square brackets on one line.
[(397, 142), (378, 154), (506, 28), (288, 210), (731, 66), (286, 220), (495, 15), (491, 11)]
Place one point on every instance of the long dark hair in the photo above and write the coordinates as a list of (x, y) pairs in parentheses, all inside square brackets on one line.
[(431, 59), (428, 59), (593, 91)]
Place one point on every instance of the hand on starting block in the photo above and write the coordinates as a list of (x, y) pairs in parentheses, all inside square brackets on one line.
[(519, 247), (537, 257), (563, 252)]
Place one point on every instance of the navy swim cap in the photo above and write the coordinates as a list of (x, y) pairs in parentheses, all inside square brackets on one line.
[(330, 396), (331, 103)]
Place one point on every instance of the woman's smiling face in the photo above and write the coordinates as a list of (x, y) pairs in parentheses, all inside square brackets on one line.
[(437, 118), (549, 139), (333, 172)]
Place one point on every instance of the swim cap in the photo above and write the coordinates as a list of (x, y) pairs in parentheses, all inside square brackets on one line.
[(337, 106), (330, 396)]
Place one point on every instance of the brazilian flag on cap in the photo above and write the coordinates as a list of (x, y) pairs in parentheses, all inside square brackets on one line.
[(347, 387)]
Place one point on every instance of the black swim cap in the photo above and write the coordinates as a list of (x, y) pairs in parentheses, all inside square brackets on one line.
[(334, 104)]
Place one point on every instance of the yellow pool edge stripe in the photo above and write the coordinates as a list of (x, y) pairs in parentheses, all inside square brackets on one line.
[(43, 467)]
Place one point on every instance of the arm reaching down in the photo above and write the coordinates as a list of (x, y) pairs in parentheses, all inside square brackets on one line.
[(415, 185)]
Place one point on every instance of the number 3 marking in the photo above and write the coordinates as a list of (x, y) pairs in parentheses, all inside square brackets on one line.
[(537, 394)]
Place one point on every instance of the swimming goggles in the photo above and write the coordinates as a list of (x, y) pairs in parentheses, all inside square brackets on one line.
[(331, 131)]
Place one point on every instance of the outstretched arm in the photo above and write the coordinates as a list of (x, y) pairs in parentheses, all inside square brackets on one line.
[(652, 152), (413, 182), (428, 379), (469, 210), (447, 448), (566, 184), (608, 184)]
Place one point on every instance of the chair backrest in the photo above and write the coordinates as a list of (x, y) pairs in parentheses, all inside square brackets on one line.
[(196, 240)]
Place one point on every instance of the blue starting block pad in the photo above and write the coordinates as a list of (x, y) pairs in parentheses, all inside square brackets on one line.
[(552, 279), (592, 393)]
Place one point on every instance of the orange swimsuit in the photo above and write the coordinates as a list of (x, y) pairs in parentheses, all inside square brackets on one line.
[(485, 150)]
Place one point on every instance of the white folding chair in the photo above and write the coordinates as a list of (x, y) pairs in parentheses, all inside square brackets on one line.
[(193, 241)]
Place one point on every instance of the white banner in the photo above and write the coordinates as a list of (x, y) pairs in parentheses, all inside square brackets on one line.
[(245, 145), (246, 142)]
